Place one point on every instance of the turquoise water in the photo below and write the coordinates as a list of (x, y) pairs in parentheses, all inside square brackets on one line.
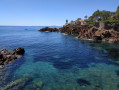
[(54, 61)]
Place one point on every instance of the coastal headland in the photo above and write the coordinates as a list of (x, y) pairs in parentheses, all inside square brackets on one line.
[(101, 26)]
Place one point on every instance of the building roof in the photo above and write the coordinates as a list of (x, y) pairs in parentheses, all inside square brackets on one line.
[(81, 20)]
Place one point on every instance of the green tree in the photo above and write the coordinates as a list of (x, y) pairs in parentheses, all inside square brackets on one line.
[(102, 15), (86, 17), (116, 16)]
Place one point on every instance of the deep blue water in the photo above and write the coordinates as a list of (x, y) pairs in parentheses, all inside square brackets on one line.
[(54, 61)]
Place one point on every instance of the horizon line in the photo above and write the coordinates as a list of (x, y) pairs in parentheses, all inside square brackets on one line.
[(30, 25)]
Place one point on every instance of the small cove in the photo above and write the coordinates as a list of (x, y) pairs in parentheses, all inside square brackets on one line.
[(54, 61)]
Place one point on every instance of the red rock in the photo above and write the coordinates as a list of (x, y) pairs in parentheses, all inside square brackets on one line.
[(49, 29), (9, 56), (89, 32)]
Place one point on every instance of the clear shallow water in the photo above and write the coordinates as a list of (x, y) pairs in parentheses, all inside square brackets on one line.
[(54, 61)]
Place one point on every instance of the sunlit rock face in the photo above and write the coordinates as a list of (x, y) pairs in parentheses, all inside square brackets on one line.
[(91, 32)]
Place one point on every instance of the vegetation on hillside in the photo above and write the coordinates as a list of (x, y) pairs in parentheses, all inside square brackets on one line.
[(111, 19), (104, 16)]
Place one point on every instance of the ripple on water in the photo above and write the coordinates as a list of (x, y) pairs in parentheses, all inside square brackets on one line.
[(101, 76), (58, 62)]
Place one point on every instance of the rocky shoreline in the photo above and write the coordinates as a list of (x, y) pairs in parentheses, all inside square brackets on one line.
[(87, 32), (8, 56), (49, 29)]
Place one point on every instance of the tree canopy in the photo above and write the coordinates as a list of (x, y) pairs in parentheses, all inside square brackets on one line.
[(116, 16), (101, 15)]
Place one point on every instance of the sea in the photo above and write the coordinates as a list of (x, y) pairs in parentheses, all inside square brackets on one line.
[(55, 61)]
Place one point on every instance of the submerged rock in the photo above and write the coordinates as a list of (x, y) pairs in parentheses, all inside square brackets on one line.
[(117, 72), (17, 84), (118, 86), (83, 82), (7, 56), (63, 65), (113, 52), (49, 29), (35, 85)]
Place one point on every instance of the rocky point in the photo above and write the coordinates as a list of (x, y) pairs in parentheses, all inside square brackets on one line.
[(49, 29), (86, 32)]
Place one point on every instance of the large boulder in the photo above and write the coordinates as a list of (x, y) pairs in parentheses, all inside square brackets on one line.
[(19, 51), (7, 56)]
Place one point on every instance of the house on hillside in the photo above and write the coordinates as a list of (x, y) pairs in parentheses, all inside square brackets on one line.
[(77, 22), (80, 21), (66, 22)]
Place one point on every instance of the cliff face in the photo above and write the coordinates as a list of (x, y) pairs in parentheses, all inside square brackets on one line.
[(107, 25), (73, 30), (90, 32)]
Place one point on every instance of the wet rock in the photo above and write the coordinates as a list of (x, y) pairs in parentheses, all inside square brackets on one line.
[(19, 51), (7, 56), (83, 82), (97, 38), (1, 56), (49, 29)]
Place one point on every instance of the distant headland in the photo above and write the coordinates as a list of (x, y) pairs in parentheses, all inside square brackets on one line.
[(101, 26)]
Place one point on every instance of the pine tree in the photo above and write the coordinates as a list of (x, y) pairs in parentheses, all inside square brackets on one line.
[(116, 16)]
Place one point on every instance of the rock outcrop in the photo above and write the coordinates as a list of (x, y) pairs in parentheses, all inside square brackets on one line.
[(90, 32), (49, 29), (86, 32), (7, 56)]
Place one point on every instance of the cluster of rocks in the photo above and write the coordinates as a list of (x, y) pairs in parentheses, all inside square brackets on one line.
[(90, 32), (49, 29), (86, 32), (7, 56)]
